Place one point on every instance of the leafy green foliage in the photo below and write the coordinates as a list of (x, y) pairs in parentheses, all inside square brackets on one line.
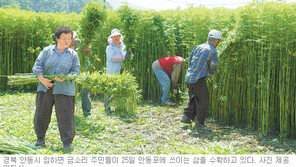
[(122, 89), (256, 74), (93, 16), (129, 19)]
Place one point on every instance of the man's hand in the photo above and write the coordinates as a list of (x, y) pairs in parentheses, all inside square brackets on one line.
[(45, 81)]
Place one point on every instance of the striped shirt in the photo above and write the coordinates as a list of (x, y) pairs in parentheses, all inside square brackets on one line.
[(199, 62)]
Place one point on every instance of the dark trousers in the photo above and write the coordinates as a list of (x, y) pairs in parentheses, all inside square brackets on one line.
[(64, 108), (198, 101), (107, 101), (86, 103)]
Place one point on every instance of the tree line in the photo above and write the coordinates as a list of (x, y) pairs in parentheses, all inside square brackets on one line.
[(48, 6)]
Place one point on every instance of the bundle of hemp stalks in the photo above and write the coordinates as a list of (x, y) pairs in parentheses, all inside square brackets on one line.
[(13, 145), (28, 78), (123, 89)]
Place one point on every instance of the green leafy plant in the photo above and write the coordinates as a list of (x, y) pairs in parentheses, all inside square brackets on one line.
[(93, 17), (123, 89)]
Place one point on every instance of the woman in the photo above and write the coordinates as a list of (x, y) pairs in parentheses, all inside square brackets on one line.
[(116, 54), (56, 59)]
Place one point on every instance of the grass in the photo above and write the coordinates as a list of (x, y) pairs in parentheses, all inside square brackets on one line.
[(152, 130)]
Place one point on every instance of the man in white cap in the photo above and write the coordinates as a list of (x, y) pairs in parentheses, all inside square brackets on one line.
[(203, 60)]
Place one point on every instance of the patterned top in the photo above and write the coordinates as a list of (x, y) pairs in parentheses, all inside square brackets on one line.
[(199, 62), (51, 61), (115, 55)]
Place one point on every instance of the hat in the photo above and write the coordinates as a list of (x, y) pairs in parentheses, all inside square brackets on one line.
[(214, 34), (115, 32)]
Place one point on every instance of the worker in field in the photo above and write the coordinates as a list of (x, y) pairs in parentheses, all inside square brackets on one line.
[(56, 59), (167, 71), (86, 102), (202, 63), (116, 54)]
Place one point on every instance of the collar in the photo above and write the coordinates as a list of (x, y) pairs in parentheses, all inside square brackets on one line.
[(55, 48), (210, 44), (113, 44)]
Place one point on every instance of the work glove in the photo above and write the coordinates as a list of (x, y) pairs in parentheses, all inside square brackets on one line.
[(128, 54), (175, 91)]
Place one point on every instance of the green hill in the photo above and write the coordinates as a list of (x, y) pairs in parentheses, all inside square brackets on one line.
[(48, 6)]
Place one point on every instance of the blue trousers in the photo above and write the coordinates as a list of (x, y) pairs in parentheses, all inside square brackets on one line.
[(164, 82)]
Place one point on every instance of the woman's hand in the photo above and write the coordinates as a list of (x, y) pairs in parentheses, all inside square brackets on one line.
[(45, 81), (128, 54), (59, 79)]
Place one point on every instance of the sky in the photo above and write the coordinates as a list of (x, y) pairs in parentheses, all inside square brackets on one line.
[(182, 4)]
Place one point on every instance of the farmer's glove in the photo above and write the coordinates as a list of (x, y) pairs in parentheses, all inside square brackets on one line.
[(175, 91), (128, 54)]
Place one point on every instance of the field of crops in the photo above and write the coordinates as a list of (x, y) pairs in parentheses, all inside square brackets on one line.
[(255, 82), (150, 130)]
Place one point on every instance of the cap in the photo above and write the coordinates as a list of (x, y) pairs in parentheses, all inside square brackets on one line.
[(214, 34)]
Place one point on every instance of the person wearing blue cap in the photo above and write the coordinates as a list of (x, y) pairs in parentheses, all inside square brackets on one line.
[(202, 61)]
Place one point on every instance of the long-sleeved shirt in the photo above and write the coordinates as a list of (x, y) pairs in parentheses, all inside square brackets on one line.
[(115, 55), (51, 61), (199, 62)]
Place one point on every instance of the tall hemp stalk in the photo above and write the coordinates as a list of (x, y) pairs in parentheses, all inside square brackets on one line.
[(94, 15), (129, 19)]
